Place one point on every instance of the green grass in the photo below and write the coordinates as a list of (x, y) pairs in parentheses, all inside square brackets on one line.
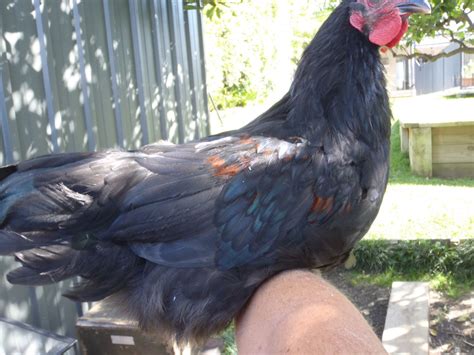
[(466, 95), (444, 283), (230, 347), (446, 265)]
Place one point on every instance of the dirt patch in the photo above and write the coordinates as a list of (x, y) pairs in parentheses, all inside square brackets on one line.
[(371, 300), (451, 320), (452, 323)]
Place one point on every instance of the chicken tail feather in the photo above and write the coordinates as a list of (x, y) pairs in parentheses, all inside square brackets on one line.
[(11, 242), (104, 269), (6, 171)]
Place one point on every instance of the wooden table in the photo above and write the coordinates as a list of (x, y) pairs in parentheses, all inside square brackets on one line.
[(440, 147)]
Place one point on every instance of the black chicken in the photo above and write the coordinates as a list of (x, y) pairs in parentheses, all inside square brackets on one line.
[(183, 234)]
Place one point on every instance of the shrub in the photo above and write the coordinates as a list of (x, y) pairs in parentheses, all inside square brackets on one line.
[(417, 257)]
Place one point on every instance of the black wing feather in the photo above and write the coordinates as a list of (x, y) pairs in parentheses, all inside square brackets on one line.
[(230, 200)]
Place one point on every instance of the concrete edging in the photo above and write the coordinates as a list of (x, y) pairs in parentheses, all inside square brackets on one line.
[(407, 323)]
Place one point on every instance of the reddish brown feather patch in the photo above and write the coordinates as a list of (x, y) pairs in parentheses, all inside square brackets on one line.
[(230, 170), (221, 169), (216, 161), (247, 140), (322, 204), (348, 208)]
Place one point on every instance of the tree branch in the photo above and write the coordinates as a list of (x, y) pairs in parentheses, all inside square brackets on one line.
[(466, 18), (432, 57)]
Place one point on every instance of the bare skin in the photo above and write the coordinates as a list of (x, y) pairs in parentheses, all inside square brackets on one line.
[(298, 312)]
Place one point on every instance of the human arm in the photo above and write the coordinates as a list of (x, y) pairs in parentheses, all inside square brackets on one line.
[(298, 312)]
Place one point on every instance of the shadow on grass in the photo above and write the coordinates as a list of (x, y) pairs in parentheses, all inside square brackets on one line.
[(400, 167)]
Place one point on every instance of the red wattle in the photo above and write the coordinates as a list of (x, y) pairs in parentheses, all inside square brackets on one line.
[(387, 29), (397, 39)]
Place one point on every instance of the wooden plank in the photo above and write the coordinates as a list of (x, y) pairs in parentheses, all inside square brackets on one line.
[(404, 139), (453, 170), (459, 153), (453, 135), (407, 322), (108, 329), (436, 124), (420, 151)]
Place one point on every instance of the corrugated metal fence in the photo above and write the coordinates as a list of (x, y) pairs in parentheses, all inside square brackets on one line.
[(93, 74)]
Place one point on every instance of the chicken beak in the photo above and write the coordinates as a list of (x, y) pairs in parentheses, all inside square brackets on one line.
[(414, 6)]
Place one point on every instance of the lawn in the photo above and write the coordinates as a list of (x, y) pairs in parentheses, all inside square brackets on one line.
[(416, 207)]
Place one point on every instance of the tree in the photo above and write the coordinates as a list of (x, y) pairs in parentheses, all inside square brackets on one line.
[(452, 19), (211, 8), (251, 58)]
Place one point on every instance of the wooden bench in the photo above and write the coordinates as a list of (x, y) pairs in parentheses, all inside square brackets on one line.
[(440, 147), (407, 323)]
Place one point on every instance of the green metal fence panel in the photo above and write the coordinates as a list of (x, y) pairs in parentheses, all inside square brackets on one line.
[(79, 75)]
